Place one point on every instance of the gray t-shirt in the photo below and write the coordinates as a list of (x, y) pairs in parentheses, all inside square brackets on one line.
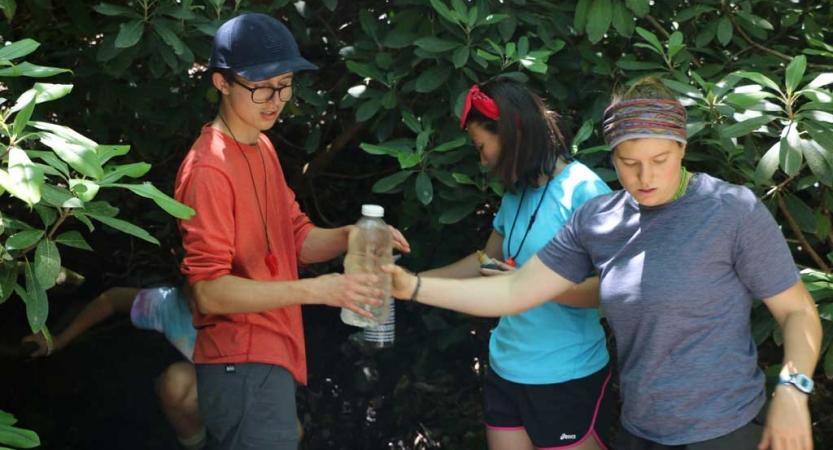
[(677, 283)]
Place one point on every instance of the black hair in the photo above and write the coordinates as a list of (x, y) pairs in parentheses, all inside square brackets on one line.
[(530, 140)]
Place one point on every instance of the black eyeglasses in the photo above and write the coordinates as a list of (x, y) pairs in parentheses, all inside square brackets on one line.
[(265, 94)]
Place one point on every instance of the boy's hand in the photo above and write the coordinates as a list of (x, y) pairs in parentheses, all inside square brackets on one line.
[(502, 269), (40, 341), (350, 291), (399, 241), (402, 283)]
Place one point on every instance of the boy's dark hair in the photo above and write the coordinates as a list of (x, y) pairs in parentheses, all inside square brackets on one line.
[(528, 133)]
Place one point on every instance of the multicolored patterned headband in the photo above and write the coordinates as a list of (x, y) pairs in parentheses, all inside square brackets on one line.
[(481, 102), (644, 118)]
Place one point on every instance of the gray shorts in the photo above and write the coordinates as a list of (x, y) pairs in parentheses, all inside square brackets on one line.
[(248, 406), (746, 437)]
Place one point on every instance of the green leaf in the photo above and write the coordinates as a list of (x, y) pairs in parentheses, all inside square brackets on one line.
[(79, 157), (374, 149), (331, 4), (26, 69), (367, 110), (37, 305), (746, 100), (60, 197), (73, 239), (580, 18), (424, 188), (743, 128), (456, 213), (757, 78), (639, 7), (819, 161), (795, 72), (116, 10), (41, 93), (169, 37), (450, 145), (435, 44), (622, 19), (47, 214), (7, 418), (23, 239), (21, 119), (18, 437), (130, 33), (407, 160), (86, 190), (115, 173), (820, 81), (724, 30), (433, 78), (443, 11), (821, 135), (802, 213), (8, 279), (366, 71), (460, 57), (18, 49), (656, 45), (24, 179), (768, 165), (107, 152), (391, 182), (125, 227), (47, 263), (462, 178), (628, 64), (792, 154), (598, 20), (162, 200)]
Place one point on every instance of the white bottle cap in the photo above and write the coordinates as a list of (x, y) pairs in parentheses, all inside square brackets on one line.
[(373, 211)]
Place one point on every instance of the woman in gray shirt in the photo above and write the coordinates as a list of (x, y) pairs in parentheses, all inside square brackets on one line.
[(680, 258)]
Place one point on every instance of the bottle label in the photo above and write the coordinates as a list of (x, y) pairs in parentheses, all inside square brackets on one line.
[(382, 333)]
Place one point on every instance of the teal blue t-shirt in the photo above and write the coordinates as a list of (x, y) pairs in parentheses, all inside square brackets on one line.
[(551, 343)]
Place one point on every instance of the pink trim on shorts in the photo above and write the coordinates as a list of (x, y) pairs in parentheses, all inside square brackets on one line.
[(592, 431), (505, 428)]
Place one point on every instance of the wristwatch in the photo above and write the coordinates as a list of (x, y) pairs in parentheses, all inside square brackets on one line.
[(801, 382)]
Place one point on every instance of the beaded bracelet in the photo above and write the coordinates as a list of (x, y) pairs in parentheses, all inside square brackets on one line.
[(416, 289)]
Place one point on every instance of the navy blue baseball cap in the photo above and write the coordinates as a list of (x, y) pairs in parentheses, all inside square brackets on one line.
[(256, 47)]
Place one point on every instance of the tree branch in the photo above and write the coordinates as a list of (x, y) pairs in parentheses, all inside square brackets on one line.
[(782, 205)]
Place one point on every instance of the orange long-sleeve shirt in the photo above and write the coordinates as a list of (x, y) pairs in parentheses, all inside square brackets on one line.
[(239, 194)]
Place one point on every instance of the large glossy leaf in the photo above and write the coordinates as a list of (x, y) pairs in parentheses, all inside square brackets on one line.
[(130, 33), (79, 157), (26, 69), (436, 45), (86, 190), (598, 19), (639, 7), (23, 239), (450, 145), (42, 92), (792, 154), (743, 128), (424, 188), (125, 227), (73, 239), (795, 73), (24, 179), (47, 263), (759, 78), (18, 437), (8, 279), (456, 213), (433, 78), (820, 81), (18, 49), (391, 182), (443, 11), (108, 9), (115, 173), (819, 161), (37, 305), (801, 213), (165, 202), (21, 119), (162, 29), (768, 165)]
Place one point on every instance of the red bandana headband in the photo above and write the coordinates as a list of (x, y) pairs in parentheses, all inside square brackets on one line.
[(481, 102)]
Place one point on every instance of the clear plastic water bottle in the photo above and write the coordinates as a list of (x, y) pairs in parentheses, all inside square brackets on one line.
[(381, 336), (370, 246)]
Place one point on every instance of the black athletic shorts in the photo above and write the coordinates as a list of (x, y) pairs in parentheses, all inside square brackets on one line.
[(554, 415)]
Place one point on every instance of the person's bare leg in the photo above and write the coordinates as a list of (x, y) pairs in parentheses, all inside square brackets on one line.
[(176, 390), (508, 439)]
